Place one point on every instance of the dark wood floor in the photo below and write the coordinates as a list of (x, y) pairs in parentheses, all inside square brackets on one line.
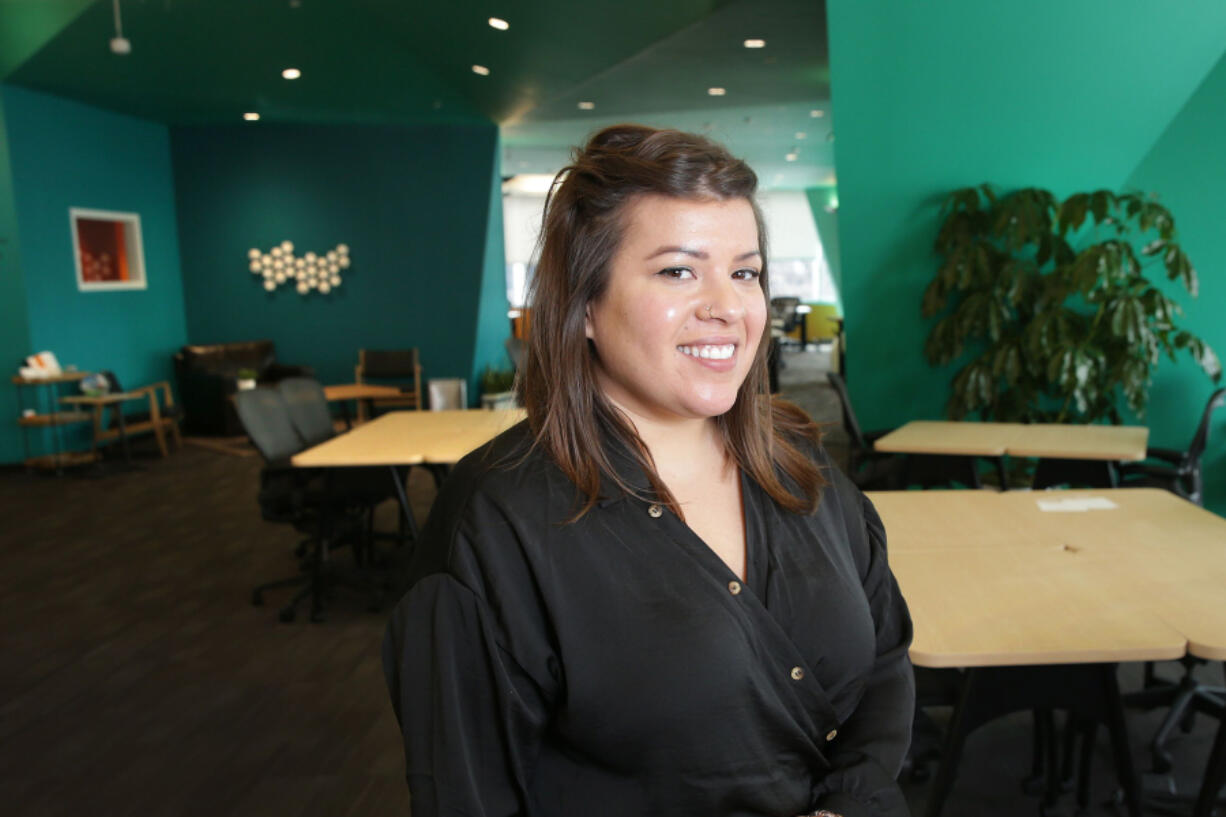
[(136, 677)]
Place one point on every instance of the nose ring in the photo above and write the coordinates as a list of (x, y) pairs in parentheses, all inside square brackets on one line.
[(709, 315)]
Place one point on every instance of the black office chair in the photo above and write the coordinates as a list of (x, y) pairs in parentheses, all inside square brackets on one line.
[(874, 470), (299, 497), (1215, 774), (1177, 471), (1181, 475)]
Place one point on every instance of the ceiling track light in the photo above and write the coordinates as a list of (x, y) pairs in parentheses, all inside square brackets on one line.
[(481, 70), (119, 43), (717, 91), (499, 23), (755, 43)]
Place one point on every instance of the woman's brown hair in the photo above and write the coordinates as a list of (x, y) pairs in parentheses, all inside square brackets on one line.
[(570, 417)]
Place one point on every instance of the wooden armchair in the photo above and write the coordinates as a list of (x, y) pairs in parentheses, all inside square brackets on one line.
[(158, 415), (399, 367)]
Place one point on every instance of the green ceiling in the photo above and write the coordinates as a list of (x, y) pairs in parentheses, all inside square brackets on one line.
[(380, 61)]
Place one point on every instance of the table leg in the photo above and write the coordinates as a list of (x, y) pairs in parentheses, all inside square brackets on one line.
[(123, 435), (1089, 690), (405, 509)]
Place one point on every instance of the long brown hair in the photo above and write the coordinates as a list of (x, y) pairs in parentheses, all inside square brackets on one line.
[(570, 417)]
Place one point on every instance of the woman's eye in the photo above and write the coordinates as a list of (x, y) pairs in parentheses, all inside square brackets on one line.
[(747, 274), (677, 273)]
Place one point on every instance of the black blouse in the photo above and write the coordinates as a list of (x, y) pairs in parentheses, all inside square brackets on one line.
[(616, 666)]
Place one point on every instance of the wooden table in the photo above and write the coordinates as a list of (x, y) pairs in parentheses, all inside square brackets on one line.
[(402, 438), (1040, 605), (364, 394), (1087, 452), (1065, 441)]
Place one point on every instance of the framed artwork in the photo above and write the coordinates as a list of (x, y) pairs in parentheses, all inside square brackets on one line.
[(107, 249)]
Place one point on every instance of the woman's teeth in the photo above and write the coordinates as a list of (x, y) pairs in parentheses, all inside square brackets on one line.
[(711, 352)]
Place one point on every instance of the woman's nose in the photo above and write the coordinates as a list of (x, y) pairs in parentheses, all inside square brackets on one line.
[(720, 301)]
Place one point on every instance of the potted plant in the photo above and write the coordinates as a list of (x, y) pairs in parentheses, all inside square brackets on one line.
[(497, 388), (245, 379), (1051, 306)]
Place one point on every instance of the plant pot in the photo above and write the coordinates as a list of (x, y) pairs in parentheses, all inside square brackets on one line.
[(498, 400)]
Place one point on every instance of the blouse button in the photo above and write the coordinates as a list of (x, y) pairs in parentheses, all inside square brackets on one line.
[(797, 673), (734, 587), (655, 511), (831, 735)]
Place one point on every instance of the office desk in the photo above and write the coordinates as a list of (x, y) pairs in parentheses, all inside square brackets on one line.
[(1087, 452), (1063, 441), (1040, 605), (404, 438)]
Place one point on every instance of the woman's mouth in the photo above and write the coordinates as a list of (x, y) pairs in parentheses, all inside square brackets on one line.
[(711, 352)]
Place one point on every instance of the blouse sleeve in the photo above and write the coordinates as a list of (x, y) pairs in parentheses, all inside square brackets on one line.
[(470, 713), (872, 743)]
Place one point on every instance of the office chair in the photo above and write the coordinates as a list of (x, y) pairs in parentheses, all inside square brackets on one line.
[(1181, 475), (1177, 471), (360, 489), (299, 497), (1215, 774), (886, 471)]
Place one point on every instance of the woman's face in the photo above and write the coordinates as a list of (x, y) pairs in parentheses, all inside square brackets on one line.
[(679, 323)]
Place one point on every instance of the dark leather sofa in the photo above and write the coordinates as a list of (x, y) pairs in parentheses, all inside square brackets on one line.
[(207, 376)]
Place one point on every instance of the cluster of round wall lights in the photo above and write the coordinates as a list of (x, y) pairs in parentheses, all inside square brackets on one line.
[(307, 273)]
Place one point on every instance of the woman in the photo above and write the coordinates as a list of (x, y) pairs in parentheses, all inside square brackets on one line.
[(655, 597)]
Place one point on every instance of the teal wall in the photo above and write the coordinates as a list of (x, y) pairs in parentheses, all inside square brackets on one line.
[(1188, 167), (64, 154), (411, 203), (14, 323), (928, 97), (493, 326), (828, 229)]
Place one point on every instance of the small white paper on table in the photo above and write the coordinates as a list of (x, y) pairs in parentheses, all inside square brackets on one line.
[(1086, 503)]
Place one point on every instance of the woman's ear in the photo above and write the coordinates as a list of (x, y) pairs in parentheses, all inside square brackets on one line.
[(587, 322)]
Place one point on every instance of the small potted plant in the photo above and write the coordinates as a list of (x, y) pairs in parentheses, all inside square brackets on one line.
[(246, 379), (497, 388)]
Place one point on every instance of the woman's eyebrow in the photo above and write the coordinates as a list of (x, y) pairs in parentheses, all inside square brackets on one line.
[(699, 254)]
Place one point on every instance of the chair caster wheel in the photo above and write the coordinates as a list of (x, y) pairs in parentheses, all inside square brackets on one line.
[(317, 616), (257, 599), (287, 615)]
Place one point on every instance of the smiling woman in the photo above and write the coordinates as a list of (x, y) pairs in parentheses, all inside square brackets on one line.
[(634, 603)]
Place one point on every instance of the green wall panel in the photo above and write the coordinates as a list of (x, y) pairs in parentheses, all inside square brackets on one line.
[(14, 323), (492, 325), (411, 203), (65, 154), (932, 96), (1187, 168)]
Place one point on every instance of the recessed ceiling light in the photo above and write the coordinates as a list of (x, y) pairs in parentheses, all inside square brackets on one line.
[(291, 73), (587, 106), (816, 113), (481, 70), (499, 23), (251, 117), (755, 43), (716, 91), (801, 134), (791, 157)]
